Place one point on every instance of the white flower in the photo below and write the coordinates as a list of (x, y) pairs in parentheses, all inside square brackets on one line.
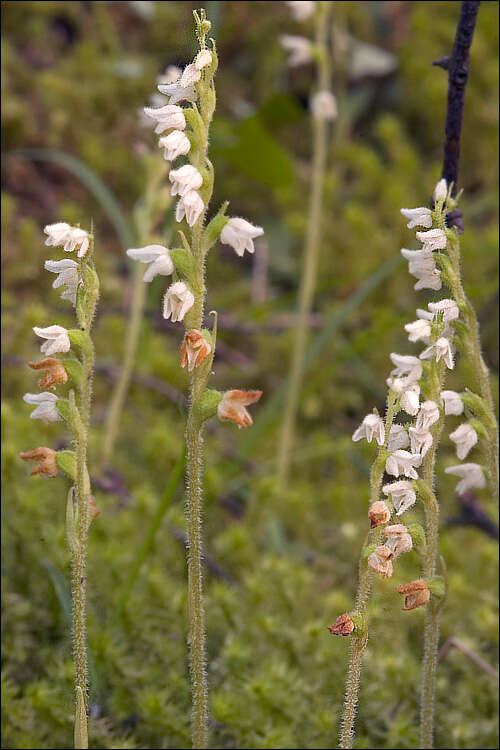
[(301, 9), (465, 437), (424, 314), (371, 427), (442, 349), (45, 406), (402, 494), (169, 116), (403, 462), (159, 258), (299, 47), (184, 179), (171, 75), (240, 234), (178, 301), (441, 191), (423, 266), (175, 144), (190, 75), (324, 105), (202, 59), (71, 237), (419, 330), (57, 233), (406, 365), (177, 93), (191, 206), (398, 538), (453, 403), (78, 238), (428, 415), (398, 438), (448, 308), (67, 271), (57, 339), (418, 217), (472, 477), (410, 399), (420, 440), (433, 239)]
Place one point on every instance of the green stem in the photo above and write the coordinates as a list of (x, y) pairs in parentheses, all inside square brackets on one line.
[(131, 341), (80, 554), (311, 254), (475, 360), (366, 574)]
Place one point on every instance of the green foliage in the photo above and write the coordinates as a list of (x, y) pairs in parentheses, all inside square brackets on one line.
[(279, 570)]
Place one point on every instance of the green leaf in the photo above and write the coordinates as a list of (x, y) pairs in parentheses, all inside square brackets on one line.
[(66, 462)]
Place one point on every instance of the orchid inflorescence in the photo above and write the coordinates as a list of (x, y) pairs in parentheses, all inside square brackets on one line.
[(407, 449), (184, 132), (80, 287)]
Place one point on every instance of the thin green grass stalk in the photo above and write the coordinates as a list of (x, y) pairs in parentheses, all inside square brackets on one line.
[(146, 217), (359, 638), (311, 249)]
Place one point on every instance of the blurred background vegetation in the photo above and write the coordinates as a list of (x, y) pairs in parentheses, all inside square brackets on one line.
[(279, 569)]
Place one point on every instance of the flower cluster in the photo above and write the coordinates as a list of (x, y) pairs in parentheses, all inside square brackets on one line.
[(416, 391), (49, 407), (182, 122)]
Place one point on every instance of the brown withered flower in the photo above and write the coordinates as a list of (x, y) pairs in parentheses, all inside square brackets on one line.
[(416, 594), (194, 350), (343, 625), (380, 561), (232, 406), (47, 457), (94, 510), (398, 539), (378, 514), (55, 371)]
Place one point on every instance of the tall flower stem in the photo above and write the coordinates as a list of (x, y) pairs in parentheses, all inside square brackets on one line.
[(433, 609), (80, 421), (311, 251), (359, 638)]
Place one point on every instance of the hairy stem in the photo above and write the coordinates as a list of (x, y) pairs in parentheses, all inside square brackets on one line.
[(366, 574), (311, 254), (80, 553)]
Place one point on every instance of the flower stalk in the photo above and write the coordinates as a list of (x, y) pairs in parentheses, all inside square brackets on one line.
[(81, 288), (184, 301)]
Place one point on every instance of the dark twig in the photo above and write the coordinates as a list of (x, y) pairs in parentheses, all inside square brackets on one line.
[(458, 66), (471, 514)]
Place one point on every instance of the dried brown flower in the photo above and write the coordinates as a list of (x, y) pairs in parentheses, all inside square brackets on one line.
[(416, 594), (55, 371), (47, 457), (194, 350), (378, 514), (343, 625)]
